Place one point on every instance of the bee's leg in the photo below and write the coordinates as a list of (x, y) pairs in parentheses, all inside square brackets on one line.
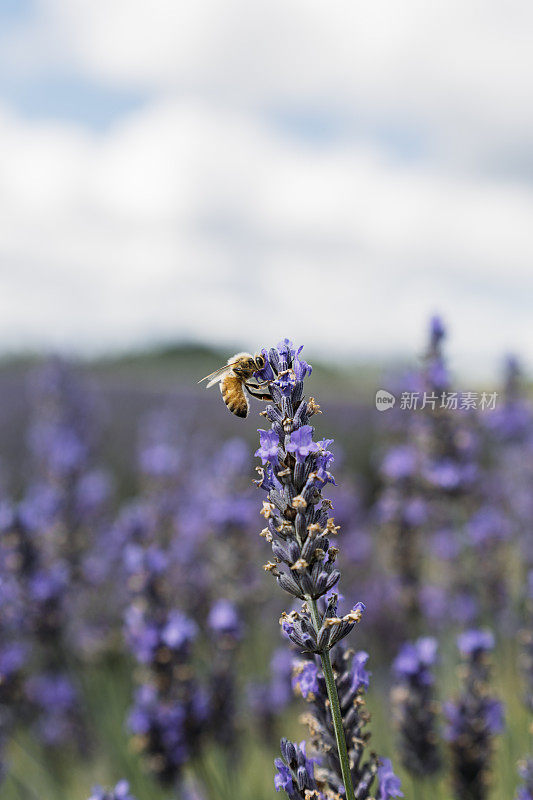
[(259, 394), (257, 384)]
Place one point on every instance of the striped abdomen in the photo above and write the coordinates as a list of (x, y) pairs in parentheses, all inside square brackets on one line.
[(234, 396)]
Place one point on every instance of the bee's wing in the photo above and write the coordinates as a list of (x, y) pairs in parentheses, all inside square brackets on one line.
[(215, 376)]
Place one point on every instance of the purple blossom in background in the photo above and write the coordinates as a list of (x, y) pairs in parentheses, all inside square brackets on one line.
[(93, 492), (400, 462), (495, 716), (525, 770), (474, 642), (170, 709), (12, 659), (511, 421), (444, 474), (55, 699), (305, 680), (417, 659), (360, 675), (224, 619), (437, 330), (179, 631), (473, 719), (415, 708), (160, 461), (488, 524), (120, 792)]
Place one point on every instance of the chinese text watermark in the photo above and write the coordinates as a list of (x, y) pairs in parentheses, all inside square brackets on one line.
[(451, 401)]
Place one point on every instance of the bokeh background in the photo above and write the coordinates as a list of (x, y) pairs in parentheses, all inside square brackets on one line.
[(180, 181)]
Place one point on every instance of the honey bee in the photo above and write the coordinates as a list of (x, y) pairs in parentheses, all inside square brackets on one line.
[(235, 378)]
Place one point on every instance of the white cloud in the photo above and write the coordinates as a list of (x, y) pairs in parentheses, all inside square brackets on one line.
[(191, 219), (454, 73)]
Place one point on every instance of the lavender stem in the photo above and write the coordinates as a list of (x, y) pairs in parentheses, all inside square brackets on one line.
[(335, 707)]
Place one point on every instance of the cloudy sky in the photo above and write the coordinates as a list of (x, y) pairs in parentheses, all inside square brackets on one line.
[(235, 171)]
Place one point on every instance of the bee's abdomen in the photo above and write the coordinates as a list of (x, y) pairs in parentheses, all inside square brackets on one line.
[(234, 396)]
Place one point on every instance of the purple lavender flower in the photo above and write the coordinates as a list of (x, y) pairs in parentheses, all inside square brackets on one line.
[(389, 783), (295, 772), (269, 446), (301, 443)]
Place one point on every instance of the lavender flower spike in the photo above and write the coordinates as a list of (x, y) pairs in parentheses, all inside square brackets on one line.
[(299, 527), (415, 707), (473, 720)]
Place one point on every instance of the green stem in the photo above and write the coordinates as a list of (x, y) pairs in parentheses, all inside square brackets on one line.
[(335, 708)]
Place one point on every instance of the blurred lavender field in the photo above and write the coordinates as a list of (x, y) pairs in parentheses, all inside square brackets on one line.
[(139, 632)]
